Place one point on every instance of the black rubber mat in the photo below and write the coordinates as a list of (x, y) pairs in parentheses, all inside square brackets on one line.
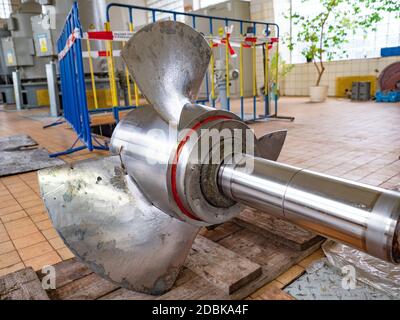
[(19, 154)]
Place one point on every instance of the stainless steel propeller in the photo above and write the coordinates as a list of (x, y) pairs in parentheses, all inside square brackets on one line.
[(132, 217)]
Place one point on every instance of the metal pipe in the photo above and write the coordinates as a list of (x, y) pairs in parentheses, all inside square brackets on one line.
[(359, 215), (52, 85), (187, 14), (16, 76)]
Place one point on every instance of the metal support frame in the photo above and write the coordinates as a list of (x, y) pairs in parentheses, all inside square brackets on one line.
[(194, 18), (53, 89), (16, 76), (73, 88)]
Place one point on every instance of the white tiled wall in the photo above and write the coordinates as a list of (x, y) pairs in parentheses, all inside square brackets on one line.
[(304, 75)]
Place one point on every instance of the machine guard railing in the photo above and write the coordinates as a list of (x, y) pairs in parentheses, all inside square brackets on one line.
[(226, 21)]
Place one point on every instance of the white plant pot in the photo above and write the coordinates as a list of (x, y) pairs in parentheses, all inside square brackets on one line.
[(318, 94)]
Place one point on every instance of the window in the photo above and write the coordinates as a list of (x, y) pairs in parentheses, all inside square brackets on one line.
[(360, 45), (5, 9)]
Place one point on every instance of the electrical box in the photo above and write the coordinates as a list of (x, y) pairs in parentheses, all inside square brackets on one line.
[(43, 37), (18, 52)]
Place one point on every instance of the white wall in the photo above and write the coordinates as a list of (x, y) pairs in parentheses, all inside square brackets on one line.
[(261, 10), (120, 17), (304, 75)]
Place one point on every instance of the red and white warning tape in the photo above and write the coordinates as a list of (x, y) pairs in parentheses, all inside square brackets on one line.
[(70, 42), (100, 54), (124, 36), (108, 35), (247, 42), (95, 35), (218, 42)]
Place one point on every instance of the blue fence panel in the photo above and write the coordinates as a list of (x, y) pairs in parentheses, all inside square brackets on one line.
[(73, 81), (73, 87)]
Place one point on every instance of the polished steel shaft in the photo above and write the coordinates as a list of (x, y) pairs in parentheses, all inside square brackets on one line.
[(362, 216)]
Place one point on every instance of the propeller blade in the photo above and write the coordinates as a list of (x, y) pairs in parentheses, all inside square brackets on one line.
[(168, 61), (270, 145), (106, 221)]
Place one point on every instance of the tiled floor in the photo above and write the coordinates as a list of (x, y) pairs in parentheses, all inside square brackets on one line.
[(358, 141), (27, 237)]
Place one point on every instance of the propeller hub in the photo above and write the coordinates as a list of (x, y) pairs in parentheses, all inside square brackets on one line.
[(184, 164)]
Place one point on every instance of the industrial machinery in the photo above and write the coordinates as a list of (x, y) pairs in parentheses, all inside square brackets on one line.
[(47, 27), (389, 79), (6, 87), (175, 167), (29, 48), (29, 77), (222, 80), (389, 84)]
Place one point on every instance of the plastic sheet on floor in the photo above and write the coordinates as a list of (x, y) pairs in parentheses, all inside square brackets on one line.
[(377, 273), (322, 281)]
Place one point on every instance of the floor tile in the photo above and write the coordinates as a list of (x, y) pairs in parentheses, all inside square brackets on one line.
[(11, 269), (65, 253), (47, 259), (35, 250), (29, 240), (13, 216), (50, 233), (6, 247), (9, 259), (57, 243)]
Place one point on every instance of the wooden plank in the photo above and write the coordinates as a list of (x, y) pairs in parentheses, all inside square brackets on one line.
[(277, 230), (68, 271), (105, 118), (220, 266), (22, 285), (274, 293), (221, 231), (123, 294), (90, 287), (75, 280), (189, 286), (195, 289), (274, 259)]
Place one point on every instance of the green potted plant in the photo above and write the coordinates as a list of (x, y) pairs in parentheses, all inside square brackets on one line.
[(327, 29), (324, 32)]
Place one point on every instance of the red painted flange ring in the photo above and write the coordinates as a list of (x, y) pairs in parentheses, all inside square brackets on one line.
[(178, 152)]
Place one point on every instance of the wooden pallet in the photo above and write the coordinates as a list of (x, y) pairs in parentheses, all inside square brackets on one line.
[(230, 262)]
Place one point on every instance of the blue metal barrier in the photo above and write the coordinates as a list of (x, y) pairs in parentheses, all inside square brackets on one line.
[(73, 88)]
